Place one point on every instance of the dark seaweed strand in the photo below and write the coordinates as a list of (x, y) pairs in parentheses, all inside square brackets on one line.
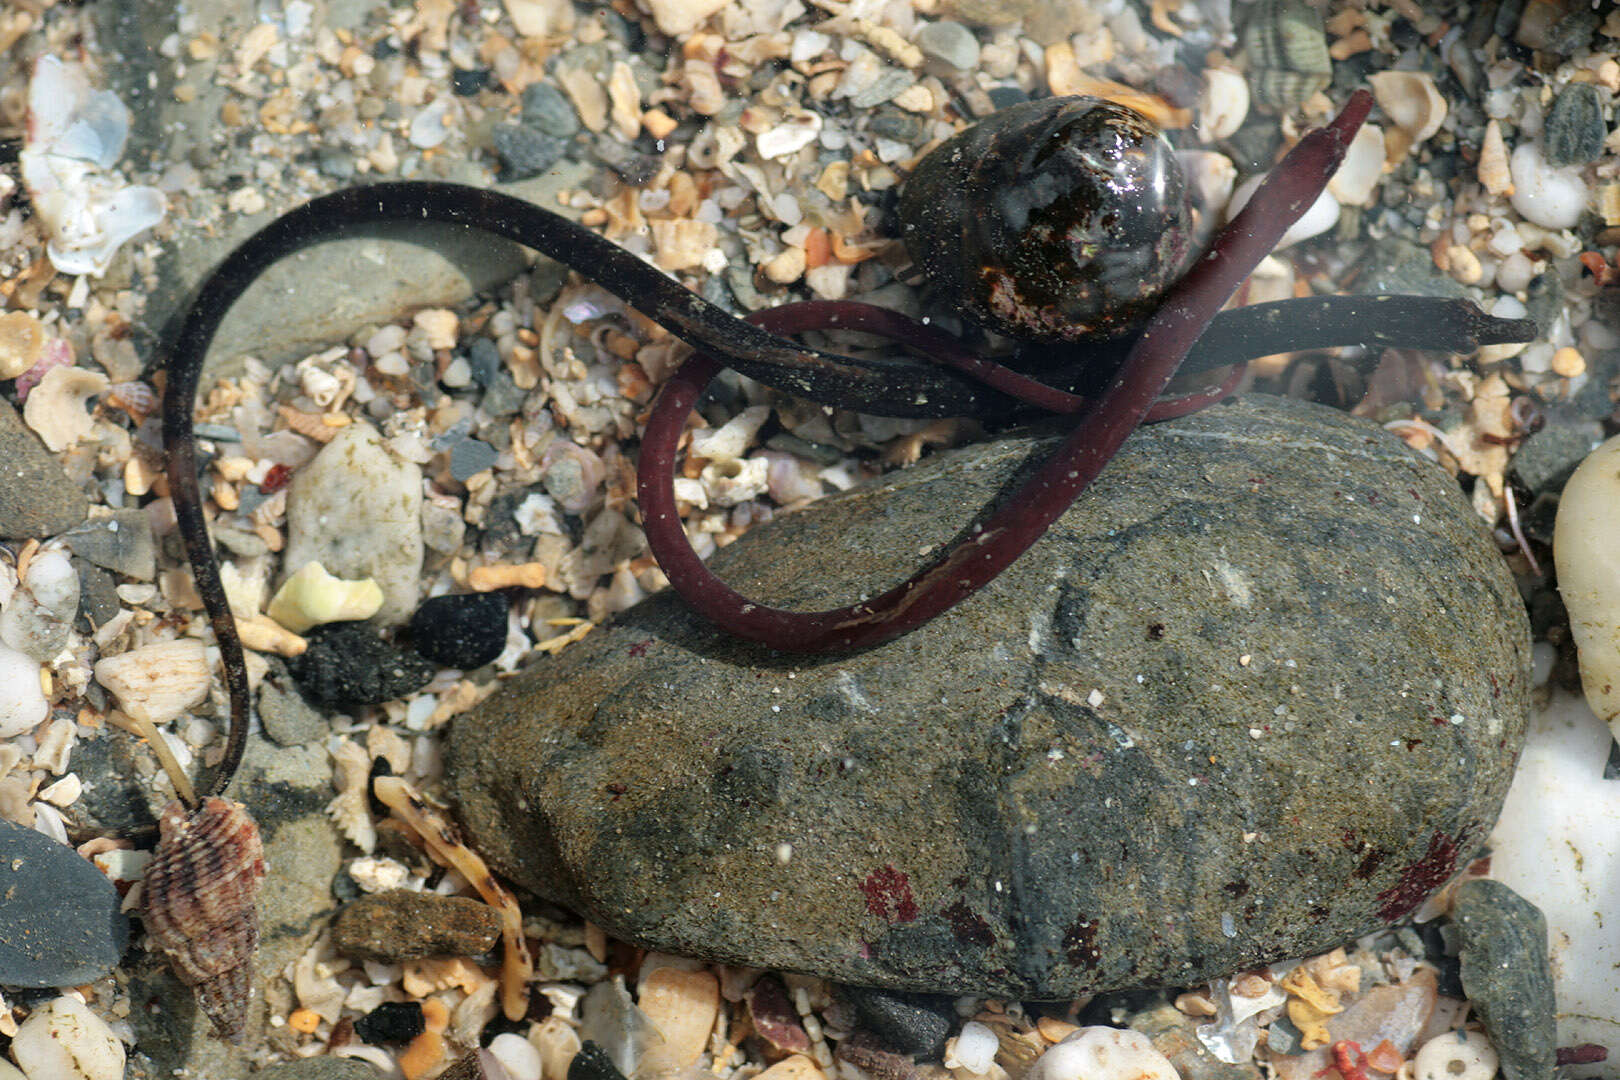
[(1020, 520)]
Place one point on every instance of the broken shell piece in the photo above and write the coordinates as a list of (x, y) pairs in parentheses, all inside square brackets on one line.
[(157, 682), (22, 342), (74, 135), (1322, 216), (793, 134), (1411, 100), (1459, 1055), (1357, 178), (1223, 105), (683, 1006), (202, 889), (22, 699), (55, 409), (1103, 1053), (1589, 574), (313, 596)]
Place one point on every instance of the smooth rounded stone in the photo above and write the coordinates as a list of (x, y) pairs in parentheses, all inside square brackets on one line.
[(347, 665), (910, 1023), (37, 500), (951, 42), (1258, 692), (121, 542), (357, 510), (463, 630), (66, 1040), (525, 152), (60, 924), (403, 924), (1508, 977)]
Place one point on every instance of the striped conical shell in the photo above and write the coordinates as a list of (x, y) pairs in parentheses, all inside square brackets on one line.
[(202, 889)]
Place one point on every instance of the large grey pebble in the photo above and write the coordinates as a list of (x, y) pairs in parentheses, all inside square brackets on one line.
[(951, 42), (37, 500), (59, 919), (1508, 977), (121, 542), (357, 509), (1258, 692)]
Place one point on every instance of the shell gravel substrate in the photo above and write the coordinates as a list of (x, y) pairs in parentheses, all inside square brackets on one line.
[(1259, 691), (202, 889)]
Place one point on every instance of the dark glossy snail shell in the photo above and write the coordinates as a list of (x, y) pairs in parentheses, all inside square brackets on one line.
[(1062, 219)]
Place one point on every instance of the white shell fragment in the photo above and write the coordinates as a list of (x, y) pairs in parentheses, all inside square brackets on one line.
[(67, 1041), (974, 1049), (22, 699), (55, 409), (157, 682), (1357, 177), (1588, 557), (75, 136), (683, 1006), (1103, 1053), (1550, 197), (1223, 105), (1411, 100), (313, 596), (1322, 215), (1455, 1056)]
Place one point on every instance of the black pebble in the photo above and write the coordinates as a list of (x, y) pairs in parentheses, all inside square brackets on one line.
[(391, 1022), (468, 81), (915, 1024), (593, 1063), (525, 152), (347, 664), (1005, 97), (464, 631)]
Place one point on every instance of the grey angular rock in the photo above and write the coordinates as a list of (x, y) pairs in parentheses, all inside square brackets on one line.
[(1507, 975), (37, 499), (1141, 756), (59, 922), (288, 719), (121, 542)]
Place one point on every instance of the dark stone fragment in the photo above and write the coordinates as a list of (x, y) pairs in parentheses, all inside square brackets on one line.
[(37, 500), (466, 82), (892, 122), (592, 1063), (634, 167), (502, 397), (469, 457), (403, 924), (1544, 461), (287, 718), (1571, 33), (59, 922), (98, 593), (915, 1024), (525, 152), (1508, 977), (347, 664), (1003, 97), (1175, 1035), (1018, 833), (548, 110), (391, 1022), (465, 630), (865, 1053), (1575, 128), (483, 361), (122, 543)]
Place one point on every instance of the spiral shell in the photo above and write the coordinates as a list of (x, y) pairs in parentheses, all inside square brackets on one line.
[(202, 888), (1055, 220), (1288, 53)]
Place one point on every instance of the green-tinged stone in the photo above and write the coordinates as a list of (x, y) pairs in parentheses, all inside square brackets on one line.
[(1508, 977), (1258, 692)]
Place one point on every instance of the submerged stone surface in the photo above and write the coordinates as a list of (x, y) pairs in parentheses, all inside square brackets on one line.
[(1260, 690)]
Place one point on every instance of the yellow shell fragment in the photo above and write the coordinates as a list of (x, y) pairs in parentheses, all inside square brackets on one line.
[(1589, 574), (313, 596)]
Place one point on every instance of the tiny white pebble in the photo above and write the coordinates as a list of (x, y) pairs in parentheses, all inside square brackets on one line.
[(517, 1054)]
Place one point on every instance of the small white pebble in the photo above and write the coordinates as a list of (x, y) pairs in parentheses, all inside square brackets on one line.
[(1104, 1053), (65, 1040), (517, 1055), (974, 1049), (22, 699), (1550, 197), (1455, 1056)]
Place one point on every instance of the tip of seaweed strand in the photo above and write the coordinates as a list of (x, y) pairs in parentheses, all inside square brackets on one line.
[(1353, 115)]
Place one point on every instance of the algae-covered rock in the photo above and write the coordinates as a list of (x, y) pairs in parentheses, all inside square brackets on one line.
[(1260, 690)]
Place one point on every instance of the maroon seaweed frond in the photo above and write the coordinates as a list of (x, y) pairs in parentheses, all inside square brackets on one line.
[(1019, 521)]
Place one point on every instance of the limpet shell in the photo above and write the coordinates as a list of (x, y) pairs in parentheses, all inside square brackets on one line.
[(1411, 100), (1286, 44), (202, 889)]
